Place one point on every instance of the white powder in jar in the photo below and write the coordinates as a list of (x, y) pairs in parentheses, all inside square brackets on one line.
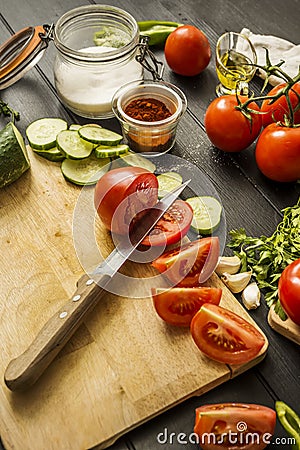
[(88, 91)]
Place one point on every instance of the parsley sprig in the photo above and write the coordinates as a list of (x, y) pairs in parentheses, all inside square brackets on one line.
[(8, 111), (268, 256)]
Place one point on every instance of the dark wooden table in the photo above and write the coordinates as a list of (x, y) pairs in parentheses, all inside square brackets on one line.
[(250, 200)]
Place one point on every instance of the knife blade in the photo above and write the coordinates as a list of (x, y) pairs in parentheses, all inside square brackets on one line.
[(23, 371)]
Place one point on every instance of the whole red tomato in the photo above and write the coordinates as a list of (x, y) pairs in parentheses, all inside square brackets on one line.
[(121, 194), (278, 153), (274, 112), (289, 291), (187, 50), (227, 128)]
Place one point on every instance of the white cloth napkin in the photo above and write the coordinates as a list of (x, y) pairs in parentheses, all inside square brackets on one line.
[(279, 49)]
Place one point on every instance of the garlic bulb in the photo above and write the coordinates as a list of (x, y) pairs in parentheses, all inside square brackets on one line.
[(228, 264), (236, 282), (251, 296)]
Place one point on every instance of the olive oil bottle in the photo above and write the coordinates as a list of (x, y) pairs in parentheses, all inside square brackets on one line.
[(233, 68)]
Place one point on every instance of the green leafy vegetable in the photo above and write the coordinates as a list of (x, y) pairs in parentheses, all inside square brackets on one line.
[(268, 256), (6, 110)]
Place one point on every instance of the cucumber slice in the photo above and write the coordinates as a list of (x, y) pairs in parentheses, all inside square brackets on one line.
[(41, 133), (91, 125), (167, 182), (98, 135), (207, 214), (53, 154), (72, 146), (85, 171), (135, 160), (104, 151), (75, 126)]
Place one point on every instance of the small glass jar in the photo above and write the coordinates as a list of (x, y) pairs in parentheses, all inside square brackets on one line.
[(156, 137), (96, 48)]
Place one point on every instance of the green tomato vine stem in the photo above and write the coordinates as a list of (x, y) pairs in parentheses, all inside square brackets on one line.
[(276, 70)]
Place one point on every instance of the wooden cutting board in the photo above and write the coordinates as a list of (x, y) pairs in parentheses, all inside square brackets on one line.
[(285, 327), (123, 366)]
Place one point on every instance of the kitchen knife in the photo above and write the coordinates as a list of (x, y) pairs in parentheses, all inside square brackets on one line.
[(24, 371)]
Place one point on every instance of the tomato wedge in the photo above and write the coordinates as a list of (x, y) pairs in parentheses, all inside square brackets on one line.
[(178, 306), (173, 226), (234, 426), (191, 264), (224, 336)]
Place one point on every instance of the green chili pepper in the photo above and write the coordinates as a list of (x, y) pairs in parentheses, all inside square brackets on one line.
[(157, 30), (290, 422)]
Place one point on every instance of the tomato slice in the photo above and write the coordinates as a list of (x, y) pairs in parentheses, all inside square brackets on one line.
[(224, 336), (191, 264), (178, 306), (173, 226), (234, 426)]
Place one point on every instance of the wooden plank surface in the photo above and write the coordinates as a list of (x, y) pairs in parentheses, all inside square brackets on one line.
[(123, 366), (287, 327)]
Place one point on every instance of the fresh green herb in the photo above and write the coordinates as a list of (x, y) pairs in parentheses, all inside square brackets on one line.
[(110, 37), (6, 110), (290, 421), (268, 256)]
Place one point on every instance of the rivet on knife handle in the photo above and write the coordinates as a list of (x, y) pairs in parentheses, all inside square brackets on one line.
[(24, 371)]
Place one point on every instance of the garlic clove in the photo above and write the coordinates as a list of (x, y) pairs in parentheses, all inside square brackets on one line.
[(236, 282), (251, 296), (228, 264)]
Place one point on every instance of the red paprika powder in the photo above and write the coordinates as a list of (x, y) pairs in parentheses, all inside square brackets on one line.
[(147, 110)]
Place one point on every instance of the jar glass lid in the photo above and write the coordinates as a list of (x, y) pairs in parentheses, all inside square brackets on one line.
[(21, 52)]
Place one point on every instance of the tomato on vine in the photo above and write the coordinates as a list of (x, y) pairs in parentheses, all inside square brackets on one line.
[(227, 127), (275, 111), (277, 152)]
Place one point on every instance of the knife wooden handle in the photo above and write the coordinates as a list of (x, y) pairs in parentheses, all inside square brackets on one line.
[(24, 371)]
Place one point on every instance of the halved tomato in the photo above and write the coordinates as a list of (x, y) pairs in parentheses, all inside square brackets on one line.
[(224, 336), (191, 264), (124, 194), (233, 426), (173, 226), (177, 306)]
